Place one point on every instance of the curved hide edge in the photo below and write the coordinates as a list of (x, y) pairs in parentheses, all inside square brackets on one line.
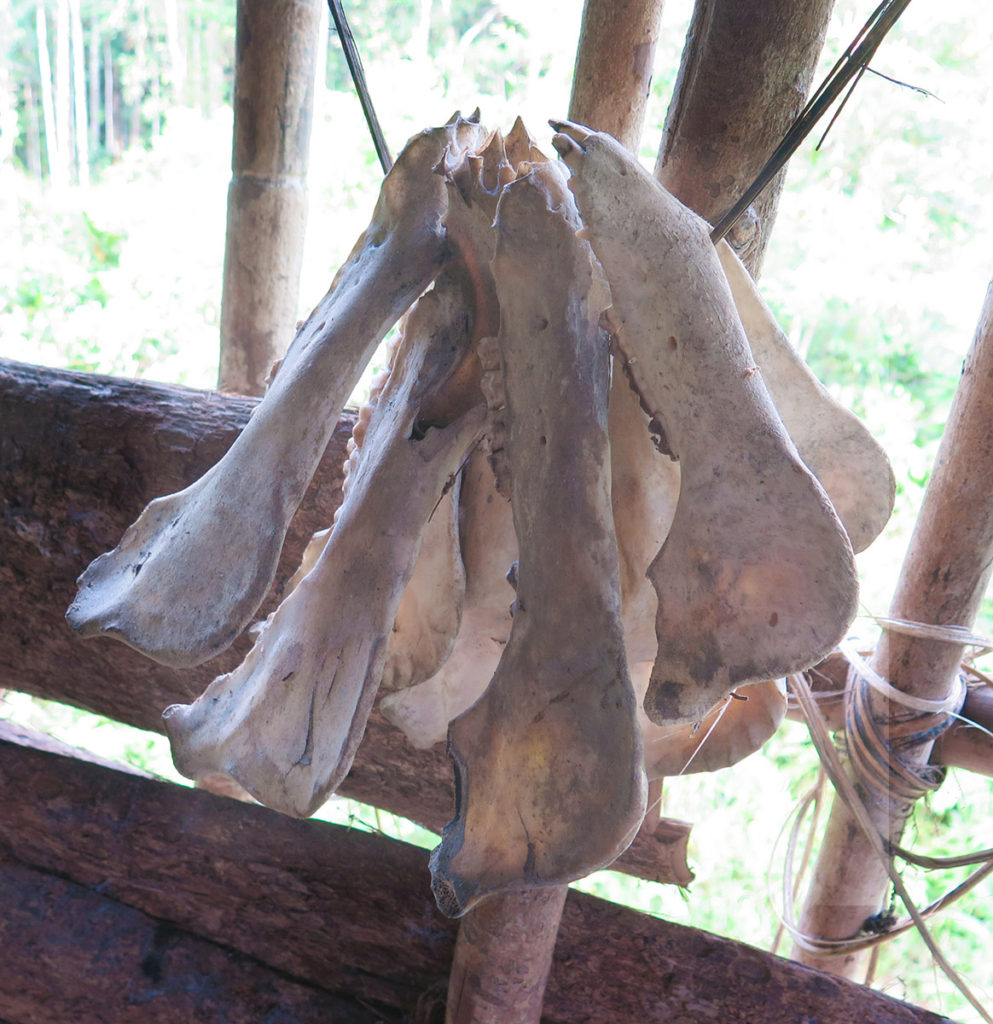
[(286, 723), (549, 762), (837, 448), (189, 574), (756, 578)]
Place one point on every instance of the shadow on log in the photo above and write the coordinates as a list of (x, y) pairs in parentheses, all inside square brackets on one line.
[(318, 915)]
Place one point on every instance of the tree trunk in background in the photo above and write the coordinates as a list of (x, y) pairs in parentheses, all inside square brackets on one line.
[(614, 66), (267, 198), (745, 74), (93, 85), (63, 92), (47, 100), (943, 580), (109, 113), (81, 134)]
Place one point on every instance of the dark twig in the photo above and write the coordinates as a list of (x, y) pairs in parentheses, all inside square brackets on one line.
[(358, 78), (852, 63)]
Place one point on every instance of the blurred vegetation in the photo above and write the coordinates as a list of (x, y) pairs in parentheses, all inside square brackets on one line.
[(112, 205)]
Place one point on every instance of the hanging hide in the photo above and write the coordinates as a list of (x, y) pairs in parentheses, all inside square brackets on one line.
[(756, 578), (192, 570), (286, 723), (549, 760)]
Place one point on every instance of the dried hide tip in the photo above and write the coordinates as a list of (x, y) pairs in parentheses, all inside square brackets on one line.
[(549, 762), (188, 576), (734, 728), (286, 723), (833, 442), (488, 545), (756, 578), (522, 149)]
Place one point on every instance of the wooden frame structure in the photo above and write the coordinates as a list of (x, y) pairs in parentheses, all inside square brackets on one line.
[(131, 900)]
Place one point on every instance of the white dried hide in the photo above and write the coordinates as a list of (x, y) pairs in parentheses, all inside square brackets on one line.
[(756, 578), (190, 573)]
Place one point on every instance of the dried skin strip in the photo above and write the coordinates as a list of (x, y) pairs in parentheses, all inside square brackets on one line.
[(549, 760), (756, 578), (190, 573), (833, 442), (286, 723)]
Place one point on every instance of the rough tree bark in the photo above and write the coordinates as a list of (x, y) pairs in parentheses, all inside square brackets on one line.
[(267, 199), (944, 576), (745, 74), (80, 456), (207, 900)]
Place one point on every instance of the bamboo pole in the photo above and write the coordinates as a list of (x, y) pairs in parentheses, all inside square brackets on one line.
[(267, 199), (745, 74), (943, 579)]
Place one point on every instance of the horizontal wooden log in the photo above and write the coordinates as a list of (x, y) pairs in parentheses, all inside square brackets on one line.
[(71, 954), (80, 456), (351, 912)]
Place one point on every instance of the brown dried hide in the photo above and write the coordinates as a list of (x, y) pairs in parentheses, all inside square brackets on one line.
[(190, 573), (756, 578), (549, 761), (286, 723)]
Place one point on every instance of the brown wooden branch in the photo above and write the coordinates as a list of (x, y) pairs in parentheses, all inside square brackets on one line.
[(614, 66), (80, 456), (337, 915), (746, 70)]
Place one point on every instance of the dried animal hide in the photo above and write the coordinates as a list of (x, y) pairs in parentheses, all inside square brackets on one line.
[(549, 760), (756, 578), (286, 723), (190, 573), (833, 442)]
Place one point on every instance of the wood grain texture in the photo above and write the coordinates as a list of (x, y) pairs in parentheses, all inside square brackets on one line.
[(347, 912)]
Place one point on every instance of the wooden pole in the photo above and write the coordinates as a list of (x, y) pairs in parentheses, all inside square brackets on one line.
[(267, 200), (502, 958), (942, 582), (614, 66), (745, 74)]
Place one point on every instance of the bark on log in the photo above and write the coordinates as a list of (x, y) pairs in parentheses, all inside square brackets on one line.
[(614, 66), (275, 51), (745, 74), (80, 456), (942, 582), (72, 954), (352, 913)]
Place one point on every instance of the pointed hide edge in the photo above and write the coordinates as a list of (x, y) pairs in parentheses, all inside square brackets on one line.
[(190, 573), (549, 769), (756, 578), (286, 723), (833, 442)]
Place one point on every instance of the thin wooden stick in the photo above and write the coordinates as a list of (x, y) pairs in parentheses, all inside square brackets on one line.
[(943, 580)]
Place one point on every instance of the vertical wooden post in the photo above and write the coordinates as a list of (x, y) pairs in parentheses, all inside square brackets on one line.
[(614, 66), (267, 199), (942, 582), (745, 74), (502, 958)]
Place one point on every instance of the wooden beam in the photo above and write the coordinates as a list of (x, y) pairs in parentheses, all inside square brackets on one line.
[(342, 911), (80, 456), (275, 51), (746, 70)]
